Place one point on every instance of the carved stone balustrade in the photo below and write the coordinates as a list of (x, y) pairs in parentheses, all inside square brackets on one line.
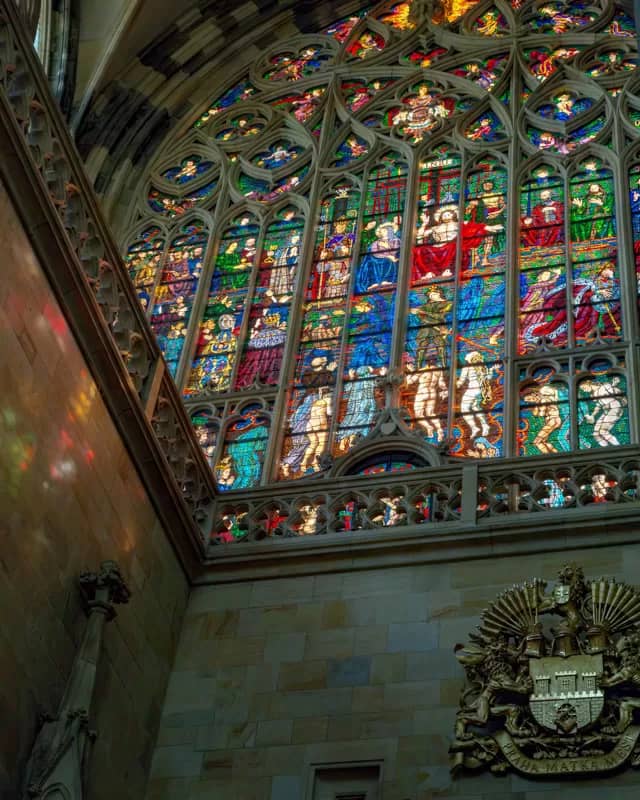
[(46, 181), (462, 505)]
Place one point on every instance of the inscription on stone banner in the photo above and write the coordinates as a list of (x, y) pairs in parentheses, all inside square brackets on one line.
[(553, 680)]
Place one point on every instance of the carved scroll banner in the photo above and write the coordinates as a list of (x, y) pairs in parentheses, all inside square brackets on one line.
[(573, 766), (553, 680)]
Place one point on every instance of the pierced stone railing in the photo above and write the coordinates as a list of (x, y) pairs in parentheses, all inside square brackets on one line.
[(38, 153), (464, 496)]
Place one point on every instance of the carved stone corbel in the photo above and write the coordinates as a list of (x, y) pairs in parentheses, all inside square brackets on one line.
[(58, 764)]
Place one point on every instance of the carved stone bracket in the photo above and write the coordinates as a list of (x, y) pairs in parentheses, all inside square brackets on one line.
[(60, 756)]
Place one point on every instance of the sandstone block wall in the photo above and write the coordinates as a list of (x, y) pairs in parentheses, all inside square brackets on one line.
[(70, 498), (274, 676)]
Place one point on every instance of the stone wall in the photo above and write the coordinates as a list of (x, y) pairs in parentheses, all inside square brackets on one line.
[(69, 498), (276, 675)]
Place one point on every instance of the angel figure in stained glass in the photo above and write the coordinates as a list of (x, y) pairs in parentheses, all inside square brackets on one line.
[(423, 112), (490, 23)]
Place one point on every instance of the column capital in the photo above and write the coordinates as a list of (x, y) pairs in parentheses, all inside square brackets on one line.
[(104, 589)]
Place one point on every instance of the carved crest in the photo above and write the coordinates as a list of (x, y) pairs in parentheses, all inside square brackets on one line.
[(553, 680)]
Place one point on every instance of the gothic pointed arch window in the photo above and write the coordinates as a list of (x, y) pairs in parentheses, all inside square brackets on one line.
[(433, 218)]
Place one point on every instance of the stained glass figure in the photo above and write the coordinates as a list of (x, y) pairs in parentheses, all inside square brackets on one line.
[(491, 23), (264, 343), (359, 93), (422, 111), (603, 410), (341, 30), (188, 170), (372, 306), (351, 149), (544, 61), (244, 449), (543, 302), (175, 293), (294, 66), (171, 207), (565, 106), (424, 57), (545, 415), (634, 203), (486, 128), (217, 343), (596, 289), (277, 155), (242, 126), (612, 62), (207, 427), (144, 259), (302, 106), (264, 191), (367, 44), (485, 73), (563, 144), (236, 94), (559, 17), (622, 25)]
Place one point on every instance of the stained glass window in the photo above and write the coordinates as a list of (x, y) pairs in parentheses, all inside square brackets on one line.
[(380, 219)]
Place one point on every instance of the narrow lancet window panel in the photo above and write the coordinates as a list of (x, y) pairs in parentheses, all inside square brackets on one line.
[(217, 343), (634, 204), (175, 293), (312, 400), (268, 318), (144, 261), (594, 247), (543, 282), (371, 308), (480, 314), (432, 295)]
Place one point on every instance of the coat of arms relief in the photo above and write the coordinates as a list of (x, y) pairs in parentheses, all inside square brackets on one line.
[(553, 680)]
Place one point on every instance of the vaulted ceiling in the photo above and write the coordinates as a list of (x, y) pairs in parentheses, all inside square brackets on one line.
[(147, 65)]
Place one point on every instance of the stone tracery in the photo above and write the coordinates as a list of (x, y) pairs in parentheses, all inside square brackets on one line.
[(314, 166)]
